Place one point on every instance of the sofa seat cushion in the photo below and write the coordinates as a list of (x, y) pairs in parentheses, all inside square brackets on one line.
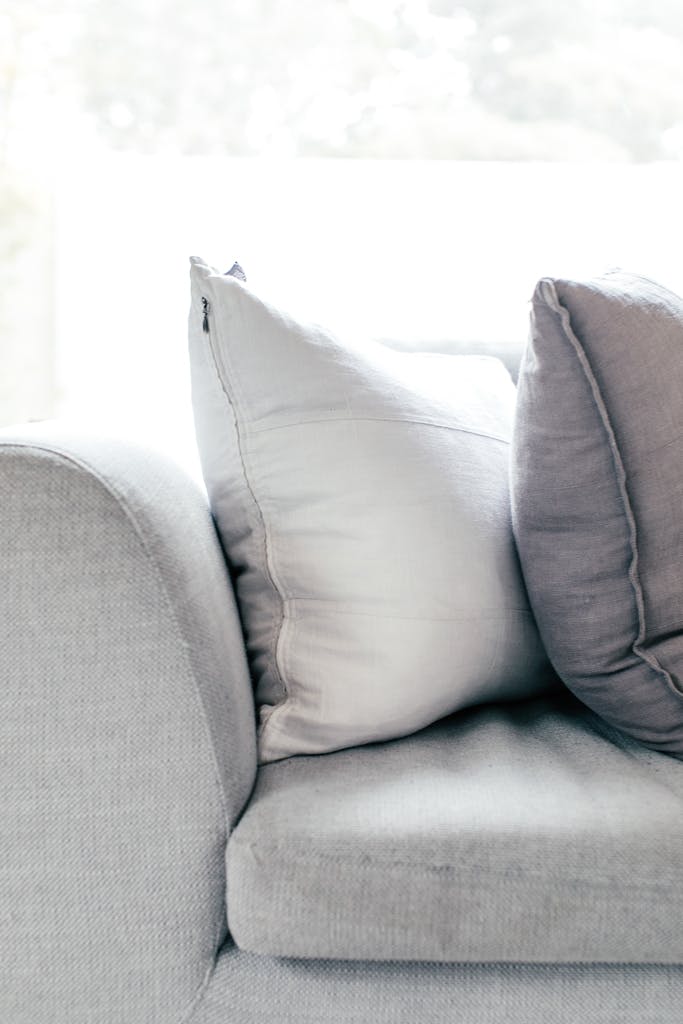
[(516, 832)]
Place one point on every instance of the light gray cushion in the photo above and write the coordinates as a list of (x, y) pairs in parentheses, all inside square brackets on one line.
[(524, 832), (597, 496), (362, 497), (250, 989)]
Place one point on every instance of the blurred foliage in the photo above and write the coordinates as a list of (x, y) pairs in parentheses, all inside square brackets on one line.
[(516, 80), (25, 357), (481, 79), (17, 221), (477, 79)]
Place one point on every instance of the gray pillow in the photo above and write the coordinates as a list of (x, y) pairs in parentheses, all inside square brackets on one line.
[(597, 496)]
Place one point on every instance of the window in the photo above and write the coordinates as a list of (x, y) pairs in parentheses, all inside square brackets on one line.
[(398, 168)]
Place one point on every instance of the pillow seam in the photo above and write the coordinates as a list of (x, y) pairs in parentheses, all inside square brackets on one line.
[(384, 419), (234, 401)]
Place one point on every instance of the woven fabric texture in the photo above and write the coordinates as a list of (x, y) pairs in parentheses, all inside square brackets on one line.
[(127, 741), (249, 989), (526, 831), (597, 492)]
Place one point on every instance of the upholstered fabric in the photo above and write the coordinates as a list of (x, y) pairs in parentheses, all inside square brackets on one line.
[(127, 750), (362, 498), (521, 832), (509, 353), (127, 739), (597, 496), (250, 989)]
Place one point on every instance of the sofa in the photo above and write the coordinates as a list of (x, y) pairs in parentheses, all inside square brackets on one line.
[(516, 861)]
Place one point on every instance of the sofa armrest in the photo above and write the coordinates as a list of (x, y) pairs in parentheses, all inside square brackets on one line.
[(127, 734)]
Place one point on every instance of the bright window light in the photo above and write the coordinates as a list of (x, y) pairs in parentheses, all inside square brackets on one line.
[(401, 169)]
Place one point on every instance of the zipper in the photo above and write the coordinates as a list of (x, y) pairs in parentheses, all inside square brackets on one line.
[(235, 271), (213, 348)]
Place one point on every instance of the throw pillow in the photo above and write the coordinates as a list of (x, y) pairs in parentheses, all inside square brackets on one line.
[(597, 496), (362, 499)]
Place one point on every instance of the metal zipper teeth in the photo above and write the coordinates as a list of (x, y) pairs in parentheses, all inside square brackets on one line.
[(214, 348)]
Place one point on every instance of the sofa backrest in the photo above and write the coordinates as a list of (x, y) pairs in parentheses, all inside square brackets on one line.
[(509, 352)]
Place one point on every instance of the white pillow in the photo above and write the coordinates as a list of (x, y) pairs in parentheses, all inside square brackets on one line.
[(362, 499)]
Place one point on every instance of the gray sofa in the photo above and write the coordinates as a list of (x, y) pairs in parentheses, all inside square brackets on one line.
[(512, 863)]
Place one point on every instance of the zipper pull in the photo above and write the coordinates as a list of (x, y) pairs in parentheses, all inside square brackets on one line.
[(205, 318)]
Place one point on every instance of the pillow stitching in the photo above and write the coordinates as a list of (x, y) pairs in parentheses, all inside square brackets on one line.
[(551, 298), (480, 613), (245, 432), (278, 650), (382, 419), (235, 403)]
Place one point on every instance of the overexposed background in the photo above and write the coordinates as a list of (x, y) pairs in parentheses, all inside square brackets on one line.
[(397, 169)]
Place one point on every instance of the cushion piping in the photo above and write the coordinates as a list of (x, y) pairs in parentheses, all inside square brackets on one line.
[(240, 420), (550, 297)]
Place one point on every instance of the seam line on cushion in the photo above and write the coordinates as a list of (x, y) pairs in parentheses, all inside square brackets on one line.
[(382, 419), (525, 877), (203, 986), (475, 616), (128, 513), (663, 291), (234, 403), (551, 298)]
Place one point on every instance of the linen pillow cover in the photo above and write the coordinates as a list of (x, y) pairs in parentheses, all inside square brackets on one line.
[(597, 496), (362, 499)]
